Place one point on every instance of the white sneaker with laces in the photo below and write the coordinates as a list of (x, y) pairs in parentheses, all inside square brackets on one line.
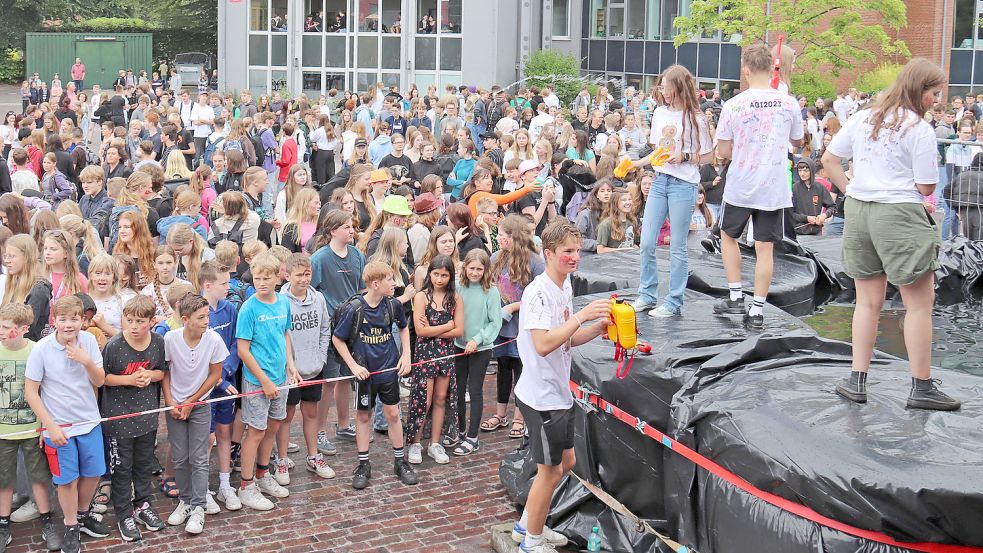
[(229, 497), (318, 466), (437, 453), (180, 514), (196, 521), (550, 536), (27, 511), (292, 447), (545, 547), (269, 486), (414, 454), (251, 497), (282, 475), (211, 507)]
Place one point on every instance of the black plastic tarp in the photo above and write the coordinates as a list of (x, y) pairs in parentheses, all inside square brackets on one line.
[(762, 405), (962, 263)]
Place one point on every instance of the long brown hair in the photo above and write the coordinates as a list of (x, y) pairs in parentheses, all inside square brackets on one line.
[(19, 285), (618, 219), (684, 89), (515, 258), (481, 256), (141, 247), (71, 279), (917, 77)]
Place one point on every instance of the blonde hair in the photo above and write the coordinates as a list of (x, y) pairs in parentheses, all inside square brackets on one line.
[(186, 199), (254, 248), (68, 207), (388, 253), (180, 234), (105, 263), (298, 207), (375, 271), (265, 264), (72, 281), (19, 284), (83, 230), (227, 254), (176, 166), (515, 259), (130, 194)]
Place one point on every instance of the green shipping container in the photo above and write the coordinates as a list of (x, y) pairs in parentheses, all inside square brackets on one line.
[(103, 54)]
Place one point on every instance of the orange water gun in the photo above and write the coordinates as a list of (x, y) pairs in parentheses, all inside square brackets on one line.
[(775, 79), (623, 331), (657, 158)]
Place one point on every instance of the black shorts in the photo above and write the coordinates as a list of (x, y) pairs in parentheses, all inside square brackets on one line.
[(311, 393), (367, 390), (769, 226), (550, 433)]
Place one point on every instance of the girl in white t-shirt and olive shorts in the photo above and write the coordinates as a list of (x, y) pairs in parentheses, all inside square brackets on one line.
[(889, 236)]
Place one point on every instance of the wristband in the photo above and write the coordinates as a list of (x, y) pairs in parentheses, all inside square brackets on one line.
[(579, 322)]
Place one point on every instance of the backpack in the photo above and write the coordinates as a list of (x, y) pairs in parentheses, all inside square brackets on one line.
[(232, 145), (494, 115), (238, 293), (210, 149), (234, 235), (257, 142), (357, 304), (165, 223)]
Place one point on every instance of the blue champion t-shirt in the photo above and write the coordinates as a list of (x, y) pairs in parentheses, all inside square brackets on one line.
[(377, 345), (264, 325)]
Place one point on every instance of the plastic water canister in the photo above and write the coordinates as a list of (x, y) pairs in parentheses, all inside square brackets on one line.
[(625, 332)]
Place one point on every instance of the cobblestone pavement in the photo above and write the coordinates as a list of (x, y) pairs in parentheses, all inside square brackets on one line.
[(451, 509)]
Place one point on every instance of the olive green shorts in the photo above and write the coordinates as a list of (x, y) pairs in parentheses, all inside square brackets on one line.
[(35, 462), (901, 241)]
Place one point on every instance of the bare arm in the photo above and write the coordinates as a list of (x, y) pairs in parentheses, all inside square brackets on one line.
[(457, 330), (725, 149), (834, 170), (547, 341)]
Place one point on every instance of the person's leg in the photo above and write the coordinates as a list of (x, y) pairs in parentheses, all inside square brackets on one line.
[(731, 254), (424, 396), (438, 405), (918, 298), (121, 455), (178, 436), (395, 426), (199, 150), (475, 384), (516, 373), (379, 419), (328, 166), (250, 449), (68, 500), (272, 177), (681, 202), (763, 267), (343, 403), (283, 432), (866, 317), (223, 440), (308, 415), (503, 385), (143, 451), (199, 426), (656, 211), (461, 372), (265, 451)]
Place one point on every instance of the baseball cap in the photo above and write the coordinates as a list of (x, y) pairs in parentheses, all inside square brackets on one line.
[(379, 175), (528, 165), (397, 205)]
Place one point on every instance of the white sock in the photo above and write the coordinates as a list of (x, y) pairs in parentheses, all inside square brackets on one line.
[(524, 519), (223, 480), (758, 306), (532, 540), (735, 290)]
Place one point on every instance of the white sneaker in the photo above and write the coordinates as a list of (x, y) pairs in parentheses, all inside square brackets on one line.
[(26, 512), (282, 474), (251, 497), (292, 447), (318, 466), (211, 507), (180, 514), (437, 453), (229, 497), (415, 454), (269, 486), (550, 537), (196, 521)]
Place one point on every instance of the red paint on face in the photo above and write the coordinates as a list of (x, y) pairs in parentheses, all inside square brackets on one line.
[(567, 259)]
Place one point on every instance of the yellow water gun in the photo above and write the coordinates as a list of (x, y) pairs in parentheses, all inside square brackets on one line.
[(657, 158)]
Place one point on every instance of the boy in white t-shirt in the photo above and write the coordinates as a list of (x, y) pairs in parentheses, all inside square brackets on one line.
[(755, 130), (548, 329)]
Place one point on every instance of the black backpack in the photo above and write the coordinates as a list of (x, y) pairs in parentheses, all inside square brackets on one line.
[(257, 140), (234, 235), (358, 305)]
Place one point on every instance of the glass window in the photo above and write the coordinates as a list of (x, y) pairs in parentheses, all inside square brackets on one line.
[(652, 29), (311, 51), (368, 16), (426, 12), (278, 82), (392, 20), (450, 54), (729, 89), (365, 80), (964, 23), (636, 19), (258, 82), (616, 21), (450, 16), (368, 52), (390, 52), (390, 79), (670, 9), (423, 80), (598, 18), (258, 54), (259, 15), (426, 53), (335, 81), (312, 82), (336, 18), (334, 51), (561, 18), (313, 16), (278, 16), (279, 53)]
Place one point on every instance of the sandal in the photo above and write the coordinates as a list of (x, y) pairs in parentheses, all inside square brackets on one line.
[(518, 429), (169, 487), (494, 422), (450, 441), (102, 493), (467, 447)]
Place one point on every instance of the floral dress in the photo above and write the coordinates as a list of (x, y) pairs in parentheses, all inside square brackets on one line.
[(431, 348)]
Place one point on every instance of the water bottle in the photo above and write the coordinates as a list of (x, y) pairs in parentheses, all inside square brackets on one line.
[(594, 540)]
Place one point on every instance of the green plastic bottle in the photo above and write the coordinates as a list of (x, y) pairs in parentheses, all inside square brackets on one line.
[(594, 540)]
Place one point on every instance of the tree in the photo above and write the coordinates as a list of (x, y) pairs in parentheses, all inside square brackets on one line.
[(879, 78), (562, 71), (826, 33)]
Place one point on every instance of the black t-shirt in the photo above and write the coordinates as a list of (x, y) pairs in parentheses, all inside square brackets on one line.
[(118, 105), (400, 167), (531, 200), (119, 358), (186, 139)]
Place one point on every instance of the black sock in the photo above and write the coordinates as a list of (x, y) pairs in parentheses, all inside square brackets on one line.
[(45, 517), (236, 446), (398, 453), (80, 516), (5, 521), (363, 457)]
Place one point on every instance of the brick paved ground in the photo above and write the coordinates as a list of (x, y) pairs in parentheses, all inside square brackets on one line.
[(450, 510)]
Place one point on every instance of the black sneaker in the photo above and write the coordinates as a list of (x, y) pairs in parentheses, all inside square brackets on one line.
[(72, 541), (5, 537), (155, 467), (128, 530), (405, 472), (146, 515), (926, 395), (347, 433), (728, 306), (361, 475), (854, 388), (93, 527), (50, 535), (754, 322), (383, 431)]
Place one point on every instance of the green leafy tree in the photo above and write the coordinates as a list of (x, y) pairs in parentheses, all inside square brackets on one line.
[(812, 84), (547, 67), (831, 34), (879, 78)]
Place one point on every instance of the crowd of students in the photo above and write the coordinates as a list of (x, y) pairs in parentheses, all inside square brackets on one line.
[(159, 247)]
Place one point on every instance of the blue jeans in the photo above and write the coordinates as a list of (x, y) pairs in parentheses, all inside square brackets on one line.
[(674, 198), (273, 177), (950, 225), (476, 131), (835, 226)]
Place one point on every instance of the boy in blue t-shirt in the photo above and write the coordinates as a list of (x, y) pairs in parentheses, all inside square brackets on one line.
[(265, 350), (374, 349)]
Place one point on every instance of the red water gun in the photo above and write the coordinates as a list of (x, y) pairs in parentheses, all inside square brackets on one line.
[(778, 63)]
